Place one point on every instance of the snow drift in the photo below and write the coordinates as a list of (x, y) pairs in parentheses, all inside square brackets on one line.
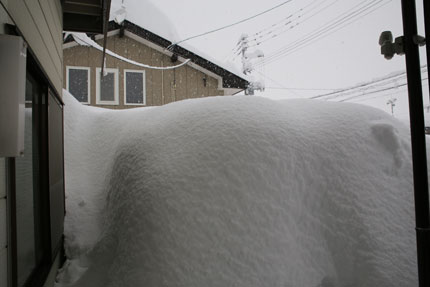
[(238, 191)]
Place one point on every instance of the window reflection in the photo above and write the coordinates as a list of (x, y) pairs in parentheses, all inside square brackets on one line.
[(56, 171), (78, 83), (24, 198)]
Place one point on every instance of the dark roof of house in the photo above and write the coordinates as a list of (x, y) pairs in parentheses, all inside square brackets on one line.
[(229, 79)]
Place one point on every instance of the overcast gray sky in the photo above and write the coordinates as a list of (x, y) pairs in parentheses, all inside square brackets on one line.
[(340, 59)]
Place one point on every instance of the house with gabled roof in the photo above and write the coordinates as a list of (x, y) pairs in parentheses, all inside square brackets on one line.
[(127, 85)]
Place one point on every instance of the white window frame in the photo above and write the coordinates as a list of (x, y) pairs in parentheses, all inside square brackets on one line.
[(89, 80), (125, 87), (116, 87)]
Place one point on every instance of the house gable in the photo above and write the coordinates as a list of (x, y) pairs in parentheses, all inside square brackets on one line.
[(161, 86), (230, 80)]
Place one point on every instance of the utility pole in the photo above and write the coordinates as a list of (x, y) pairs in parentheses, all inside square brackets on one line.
[(247, 66), (392, 102), (408, 45)]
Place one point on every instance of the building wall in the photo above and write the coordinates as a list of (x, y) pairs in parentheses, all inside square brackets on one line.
[(3, 233), (3, 223), (41, 22), (162, 87)]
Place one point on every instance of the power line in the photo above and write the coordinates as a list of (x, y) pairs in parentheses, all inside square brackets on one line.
[(380, 96), (369, 84), (300, 89), (377, 91), (262, 36), (345, 19), (368, 88), (230, 25), (311, 34), (362, 90), (341, 92), (333, 31), (284, 19), (334, 23), (373, 92), (326, 30), (291, 25), (385, 95), (237, 47), (254, 37), (287, 20)]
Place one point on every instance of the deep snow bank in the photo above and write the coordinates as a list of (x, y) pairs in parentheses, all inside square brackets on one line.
[(238, 191)]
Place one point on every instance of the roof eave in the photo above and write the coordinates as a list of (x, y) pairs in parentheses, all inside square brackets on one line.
[(84, 15), (230, 80)]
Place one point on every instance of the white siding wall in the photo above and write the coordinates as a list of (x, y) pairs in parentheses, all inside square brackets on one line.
[(3, 233), (41, 22)]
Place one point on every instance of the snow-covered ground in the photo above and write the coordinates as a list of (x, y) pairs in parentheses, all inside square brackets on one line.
[(238, 191)]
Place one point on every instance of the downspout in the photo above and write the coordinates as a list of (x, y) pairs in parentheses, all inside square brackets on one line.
[(174, 85), (162, 84), (419, 157), (106, 13)]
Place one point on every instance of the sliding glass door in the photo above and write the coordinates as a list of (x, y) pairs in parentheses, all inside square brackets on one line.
[(36, 186)]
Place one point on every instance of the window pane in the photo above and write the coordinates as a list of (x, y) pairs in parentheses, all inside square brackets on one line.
[(134, 88), (2, 178), (56, 174), (32, 215), (78, 84), (28, 91), (107, 87), (25, 205)]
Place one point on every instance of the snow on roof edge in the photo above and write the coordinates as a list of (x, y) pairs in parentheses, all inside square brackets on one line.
[(229, 68), (156, 22)]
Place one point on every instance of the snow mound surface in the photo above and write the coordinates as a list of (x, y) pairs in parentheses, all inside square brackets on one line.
[(238, 191)]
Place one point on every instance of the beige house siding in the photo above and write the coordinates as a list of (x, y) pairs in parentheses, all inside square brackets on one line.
[(40, 22), (162, 86)]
